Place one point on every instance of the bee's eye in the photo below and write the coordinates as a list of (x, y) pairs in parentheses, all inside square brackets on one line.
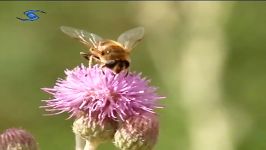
[(105, 52)]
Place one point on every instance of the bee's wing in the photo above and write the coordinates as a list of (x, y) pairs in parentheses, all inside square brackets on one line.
[(130, 38), (83, 36)]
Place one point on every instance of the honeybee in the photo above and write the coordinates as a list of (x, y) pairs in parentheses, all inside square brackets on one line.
[(114, 55)]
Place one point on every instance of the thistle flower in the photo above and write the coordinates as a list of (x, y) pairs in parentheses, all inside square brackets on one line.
[(137, 133), (99, 100), (17, 139), (101, 94)]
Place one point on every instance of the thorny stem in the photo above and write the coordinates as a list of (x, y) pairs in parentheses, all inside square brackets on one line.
[(90, 145), (80, 142)]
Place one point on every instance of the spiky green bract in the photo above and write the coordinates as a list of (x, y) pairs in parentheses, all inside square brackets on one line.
[(94, 130), (137, 132)]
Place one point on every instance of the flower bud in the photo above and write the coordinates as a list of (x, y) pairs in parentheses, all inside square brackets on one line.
[(138, 133), (94, 130), (17, 139)]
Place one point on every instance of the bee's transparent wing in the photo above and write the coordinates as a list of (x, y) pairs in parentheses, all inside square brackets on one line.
[(81, 35), (130, 38)]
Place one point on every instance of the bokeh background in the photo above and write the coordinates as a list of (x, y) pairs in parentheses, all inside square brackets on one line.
[(207, 58)]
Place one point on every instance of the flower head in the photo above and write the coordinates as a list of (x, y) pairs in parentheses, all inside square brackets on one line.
[(17, 139), (101, 94)]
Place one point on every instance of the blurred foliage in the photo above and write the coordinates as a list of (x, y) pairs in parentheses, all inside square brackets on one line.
[(245, 81), (34, 54)]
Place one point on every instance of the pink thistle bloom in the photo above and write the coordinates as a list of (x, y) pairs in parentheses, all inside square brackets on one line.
[(17, 139), (101, 94)]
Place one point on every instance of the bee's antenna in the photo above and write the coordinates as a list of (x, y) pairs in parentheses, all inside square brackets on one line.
[(85, 55)]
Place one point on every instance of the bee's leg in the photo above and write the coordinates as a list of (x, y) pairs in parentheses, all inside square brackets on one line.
[(88, 57), (97, 60), (126, 70), (90, 61), (101, 66)]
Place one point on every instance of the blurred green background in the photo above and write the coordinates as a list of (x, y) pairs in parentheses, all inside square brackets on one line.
[(207, 58)]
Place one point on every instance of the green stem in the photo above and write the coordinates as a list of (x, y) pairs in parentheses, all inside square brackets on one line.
[(80, 142), (90, 145)]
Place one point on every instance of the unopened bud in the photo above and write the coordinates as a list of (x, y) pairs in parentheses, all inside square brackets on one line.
[(138, 133), (93, 130)]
